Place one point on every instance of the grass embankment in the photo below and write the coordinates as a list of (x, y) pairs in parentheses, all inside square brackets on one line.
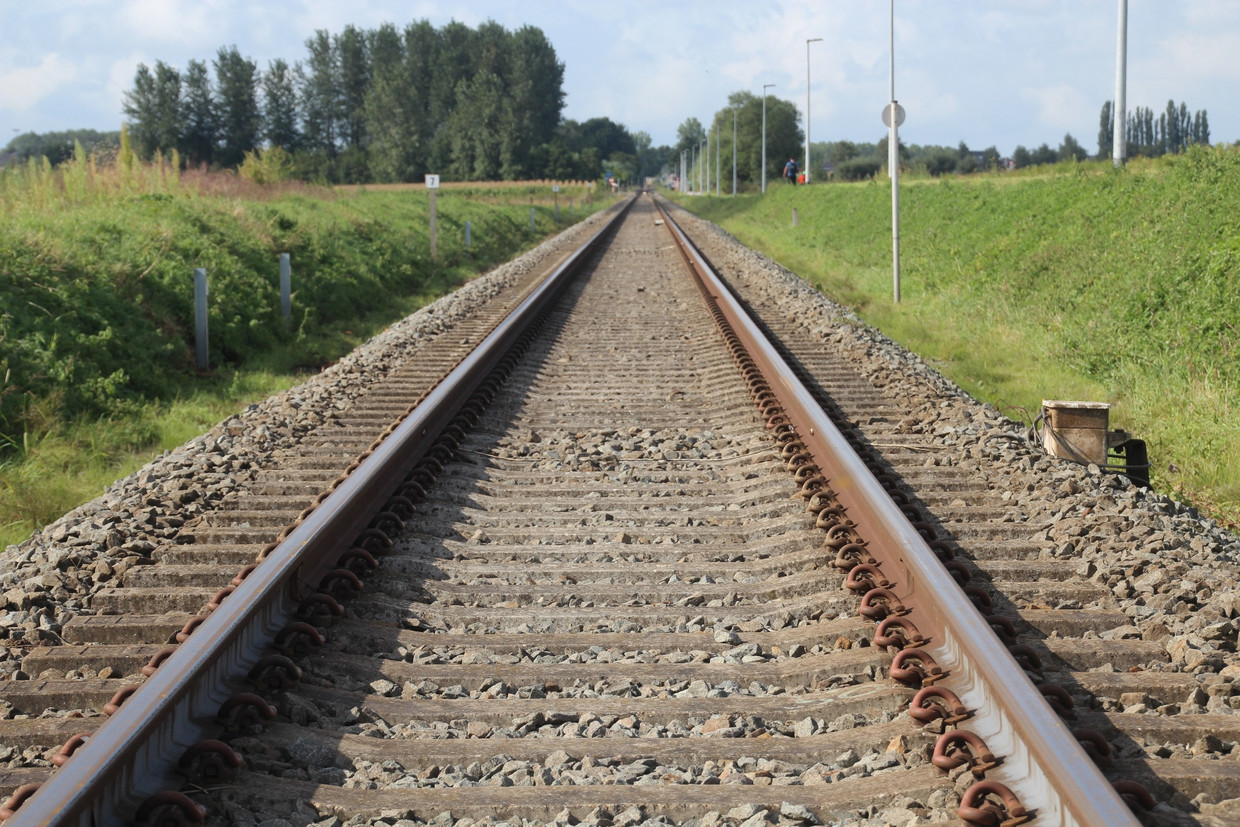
[(1087, 283), (96, 304)]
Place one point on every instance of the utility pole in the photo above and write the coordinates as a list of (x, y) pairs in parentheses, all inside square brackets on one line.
[(718, 168), (807, 87), (1119, 128), (893, 165), (765, 86), (706, 162), (734, 111)]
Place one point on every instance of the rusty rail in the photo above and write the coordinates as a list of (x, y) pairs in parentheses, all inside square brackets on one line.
[(133, 754), (1043, 772)]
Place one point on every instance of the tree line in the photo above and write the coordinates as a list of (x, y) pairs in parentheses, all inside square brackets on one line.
[(1173, 131), (57, 146), (383, 105)]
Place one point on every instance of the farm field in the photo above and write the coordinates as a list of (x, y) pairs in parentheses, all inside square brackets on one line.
[(1079, 283)]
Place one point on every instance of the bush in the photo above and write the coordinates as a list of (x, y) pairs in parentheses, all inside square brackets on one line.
[(267, 166), (858, 169)]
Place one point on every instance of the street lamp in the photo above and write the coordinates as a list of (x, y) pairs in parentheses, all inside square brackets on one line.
[(807, 87), (706, 163), (893, 165), (717, 158), (765, 86), (735, 109)]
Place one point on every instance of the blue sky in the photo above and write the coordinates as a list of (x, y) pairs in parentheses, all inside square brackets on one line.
[(1003, 72)]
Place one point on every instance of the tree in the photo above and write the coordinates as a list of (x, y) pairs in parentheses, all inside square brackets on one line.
[(940, 161), (1021, 157), (475, 128), (689, 135), (858, 169), (784, 138), (455, 59), (240, 121), (1043, 155), (1201, 128), (353, 63), (199, 132), (318, 81), (393, 107), (607, 136), (1175, 140), (842, 151), (650, 160), (1106, 132), (57, 146), (280, 105), (154, 108), (536, 92), (1071, 148)]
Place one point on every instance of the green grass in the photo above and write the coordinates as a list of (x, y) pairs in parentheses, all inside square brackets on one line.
[(1079, 283), (65, 463), (97, 369)]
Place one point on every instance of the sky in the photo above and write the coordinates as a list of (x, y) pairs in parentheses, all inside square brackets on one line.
[(987, 72)]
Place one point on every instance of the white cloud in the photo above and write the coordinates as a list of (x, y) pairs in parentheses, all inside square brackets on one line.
[(120, 80), (1199, 55), (21, 88), (1061, 106), (171, 21)]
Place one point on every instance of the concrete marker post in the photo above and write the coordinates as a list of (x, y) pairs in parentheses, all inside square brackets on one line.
[(200, 316), (432, 187), (286, 289)]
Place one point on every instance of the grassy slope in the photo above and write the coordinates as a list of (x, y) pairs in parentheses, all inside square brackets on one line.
[(1088, 284), (96, 342)]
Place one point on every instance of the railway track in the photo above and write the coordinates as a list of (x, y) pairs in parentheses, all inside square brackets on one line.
[(634, 578)]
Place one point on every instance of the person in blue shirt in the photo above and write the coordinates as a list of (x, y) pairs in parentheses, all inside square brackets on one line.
[(790, 171)]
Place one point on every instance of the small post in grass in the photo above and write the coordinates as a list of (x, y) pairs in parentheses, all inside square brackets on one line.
[(532, 221), (432, 187), (286, 289), (556, 189), (795, 221), (200, 316), (469, 230)]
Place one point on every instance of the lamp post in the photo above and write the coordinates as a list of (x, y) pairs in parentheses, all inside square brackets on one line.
[(893, 165), (765, 86), (1119, 137), (706, 163), (717, 159), (807, 87), (734, 111)]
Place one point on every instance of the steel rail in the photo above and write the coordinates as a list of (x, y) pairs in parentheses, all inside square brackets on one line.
[(131, 754), (1043, 763)]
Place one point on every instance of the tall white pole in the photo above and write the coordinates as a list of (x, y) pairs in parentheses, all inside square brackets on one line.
[(706, 163), (765, 86), (807, 87), (1119, 128), (893, 165), (734, 110), (718, 161)]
